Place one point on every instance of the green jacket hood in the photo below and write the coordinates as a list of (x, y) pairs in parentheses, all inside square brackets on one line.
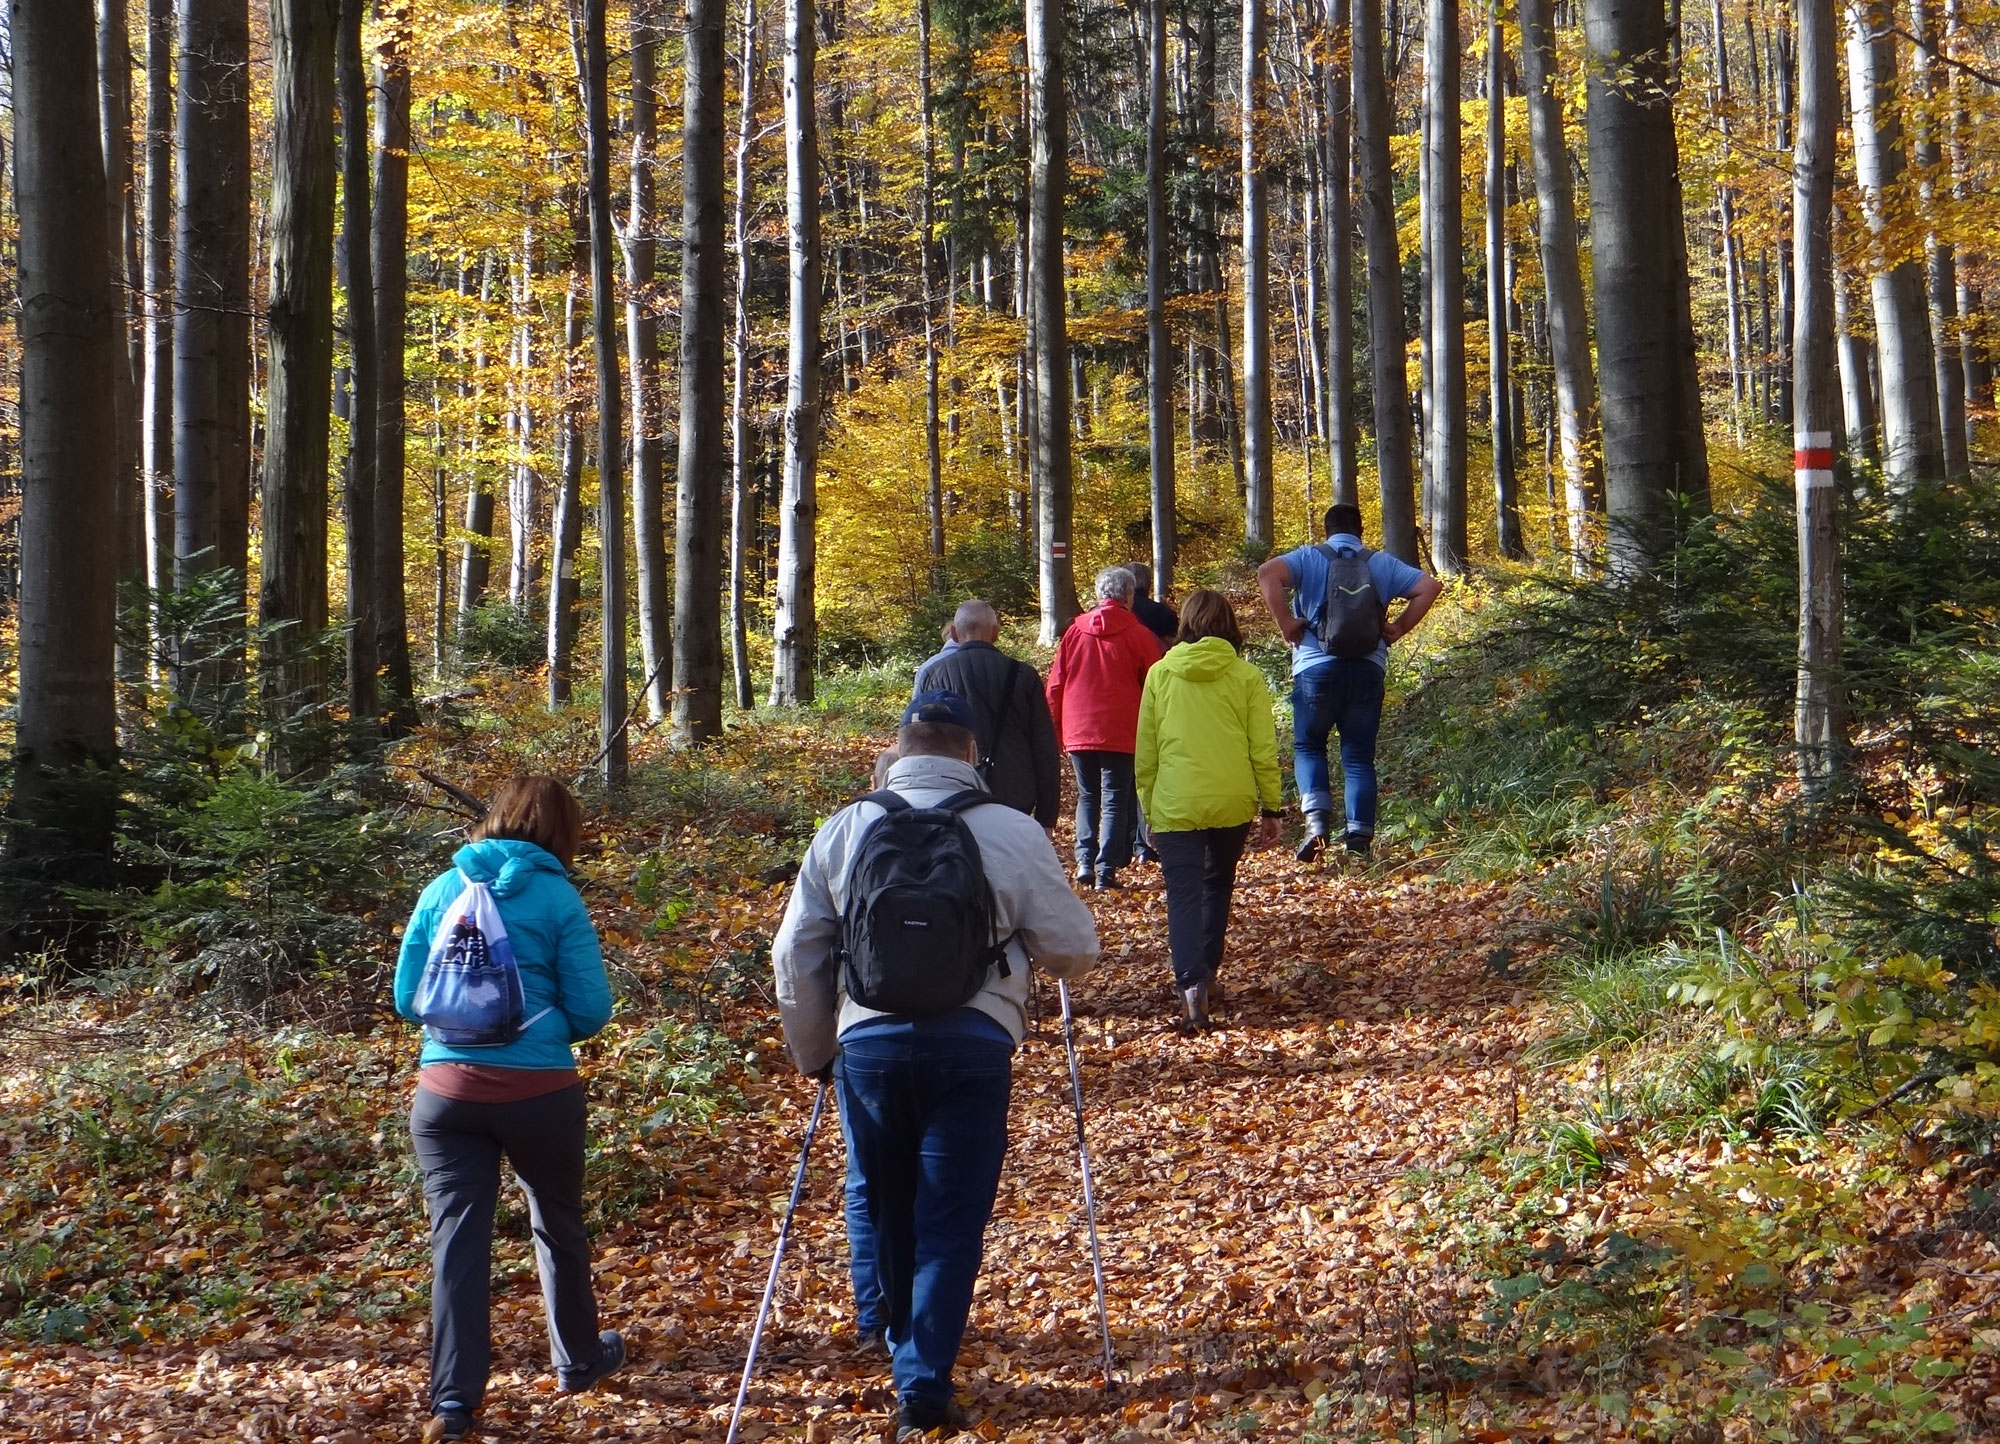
[(505, 864), (1201, 661)]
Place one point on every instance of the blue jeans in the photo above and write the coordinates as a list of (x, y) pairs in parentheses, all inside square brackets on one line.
[(1107, 807), (1343, 695), (923, 1106)]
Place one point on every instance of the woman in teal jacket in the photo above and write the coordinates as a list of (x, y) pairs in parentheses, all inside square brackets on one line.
[(1207, 764), (522, 1100)]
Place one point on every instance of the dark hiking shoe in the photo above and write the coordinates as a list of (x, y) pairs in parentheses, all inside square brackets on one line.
[(448, 1424), (575, 1381), (1357, 843), (1214, 991), (1108, 882), (1309, 850), (914, 1420), (1195, 1003), (1083, 877)]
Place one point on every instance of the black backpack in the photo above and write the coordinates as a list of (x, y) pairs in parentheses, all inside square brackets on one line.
[(916, 937), (1350, 621)]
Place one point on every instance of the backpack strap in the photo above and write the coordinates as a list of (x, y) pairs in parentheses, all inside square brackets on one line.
[(887, 800), (1005, 711), (961, 802)]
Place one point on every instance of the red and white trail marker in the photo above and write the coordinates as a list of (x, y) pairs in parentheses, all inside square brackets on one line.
[(1812, 460)]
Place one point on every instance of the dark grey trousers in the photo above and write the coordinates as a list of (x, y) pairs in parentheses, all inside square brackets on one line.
[(459, 1146), (1200, 871)]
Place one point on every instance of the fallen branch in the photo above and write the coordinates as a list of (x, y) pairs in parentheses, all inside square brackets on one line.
[(638, 701)]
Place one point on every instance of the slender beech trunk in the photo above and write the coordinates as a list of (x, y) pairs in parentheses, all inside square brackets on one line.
[(389, 220), (927, 282), (642, 341), (1426, 335), (1973, 359), (1372, 122), (70, 341), (740, 519), (1654, 451), (1257, 459), (794, 632), (1940, 263), (1449, 547), (566, 523), (1912, 441), (362, 481), (1725, 214), (114, 95), (523, 498), (1505, 503), (157, 250), (1562, 272), (475, 554), (1343, 426), (1857, 393), (227, 252), (1782, 60), (1159, 340), (293, 588), (594, 73), (1048, 145), (1821, 727)]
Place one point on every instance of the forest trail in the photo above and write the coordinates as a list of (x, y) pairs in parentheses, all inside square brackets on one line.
[(1249, 1182)]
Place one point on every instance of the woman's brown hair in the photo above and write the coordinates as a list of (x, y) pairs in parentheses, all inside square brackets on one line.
[(1207, 613), (534, 809)]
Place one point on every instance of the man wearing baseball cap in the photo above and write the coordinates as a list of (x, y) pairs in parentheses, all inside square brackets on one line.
[(923, 1093)]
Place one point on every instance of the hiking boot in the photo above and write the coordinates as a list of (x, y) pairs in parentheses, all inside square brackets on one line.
[(1083, 878), (448, 1424), (1214, 991), (914, 1420), (1108, 882), (1317, 827), (1195, 1001), (575, 1381), (1357, 843)]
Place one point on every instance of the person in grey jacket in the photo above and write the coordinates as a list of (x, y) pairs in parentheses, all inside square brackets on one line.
[(1019, 758), (923, 1101)]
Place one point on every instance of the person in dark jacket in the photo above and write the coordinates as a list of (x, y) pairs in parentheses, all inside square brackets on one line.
[(1017, 740), (1157, 615)]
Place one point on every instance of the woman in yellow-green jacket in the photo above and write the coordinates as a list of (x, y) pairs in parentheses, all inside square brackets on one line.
[(1207, 768)]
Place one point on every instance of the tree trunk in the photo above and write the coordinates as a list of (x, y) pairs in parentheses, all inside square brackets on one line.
[(566, 524), (1857, 394), (926, 243), (1372, 122), (523, 478), (114, 94), (1342, 425), (740, 520), (1973, 359), (593, 72), (642, 340), (157, 388), (362, 481), (475, 554), (1652, 455), (389, 260), (293, 590), (1725, 214), (1506, 507), (1562, 272), (1159, 339), (1912, 442), (795, 628), (1820, 720), (698, 521), (70, 341), (1449, 547), (1257, 459), (1940, 264), (1048, 145)]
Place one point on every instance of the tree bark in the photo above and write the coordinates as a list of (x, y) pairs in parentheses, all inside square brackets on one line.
[(926, 244), (70, 342), (293, 590), (389, 260), (1048, 147), (1449, 547), (114, 93), (795, 628), (1257, 459), (1342, 425), (362, 482), (642, 340), (1912, 442), (1857, 393), (1940, 263), (1562, 272), (1820, 722), (739, 391), (475, 553), (594, 74), (1159, 339), (1372, 122), (1505, 503), (697, 710), (566, 523), (157, 227), (1978, 371), (1655, 457)]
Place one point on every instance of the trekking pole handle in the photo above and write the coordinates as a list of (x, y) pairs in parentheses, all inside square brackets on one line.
[(777, 1258)]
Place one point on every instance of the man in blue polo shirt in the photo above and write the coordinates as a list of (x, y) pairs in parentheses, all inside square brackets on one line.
[(1335, 693)]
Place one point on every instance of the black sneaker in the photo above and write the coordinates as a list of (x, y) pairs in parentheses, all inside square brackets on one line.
[(1357, 842), (448, 1424), (1108, 882), (575, 1381), (914, 1420), (1083, 877)]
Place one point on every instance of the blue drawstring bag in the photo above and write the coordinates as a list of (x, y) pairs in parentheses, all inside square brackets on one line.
[(470, 993)]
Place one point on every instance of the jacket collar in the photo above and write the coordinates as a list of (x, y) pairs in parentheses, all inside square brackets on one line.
[(934, 774)]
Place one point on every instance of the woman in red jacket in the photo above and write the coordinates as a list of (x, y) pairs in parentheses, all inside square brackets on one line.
[(1094, 688)]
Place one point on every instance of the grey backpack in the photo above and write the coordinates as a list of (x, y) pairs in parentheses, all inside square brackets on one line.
[(1350, 621)]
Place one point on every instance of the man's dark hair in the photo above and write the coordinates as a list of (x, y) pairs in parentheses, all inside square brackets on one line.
[(1142, 575), (1343, 517), (933, 739)]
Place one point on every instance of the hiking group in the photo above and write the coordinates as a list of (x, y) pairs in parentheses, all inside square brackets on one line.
[(902, 963)]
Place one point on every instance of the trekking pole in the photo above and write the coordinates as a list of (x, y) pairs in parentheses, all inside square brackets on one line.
[(771, 1283), (1083, 1157)]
